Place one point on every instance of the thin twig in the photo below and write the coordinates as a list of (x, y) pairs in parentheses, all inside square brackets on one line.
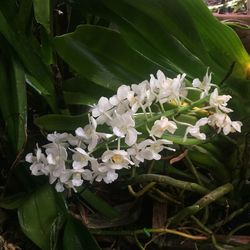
[(142, 191), (149, 230)]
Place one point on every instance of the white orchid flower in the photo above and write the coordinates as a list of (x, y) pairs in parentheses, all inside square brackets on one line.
[(39, 162), (220, 101), (170, 89), (101, 171), (102, 111), (162, 125), (123, 126), (89, 135), (205, 85), (117, 159), (223, 122), (80, 158), (195, 129), (150, 149)]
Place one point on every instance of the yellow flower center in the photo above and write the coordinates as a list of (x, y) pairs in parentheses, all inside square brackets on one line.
[(118, 159)]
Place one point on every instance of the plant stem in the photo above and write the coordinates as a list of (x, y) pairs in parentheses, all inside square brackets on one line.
[(237, 229), (166, 196), (231, 216), (142, 191), (203, 202), (192, 168), (190, 186), (149, 230)]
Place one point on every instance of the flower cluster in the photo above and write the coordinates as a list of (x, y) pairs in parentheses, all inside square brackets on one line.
[(69, 160)]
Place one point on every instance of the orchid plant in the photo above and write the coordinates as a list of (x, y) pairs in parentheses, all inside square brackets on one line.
[(116, 138)]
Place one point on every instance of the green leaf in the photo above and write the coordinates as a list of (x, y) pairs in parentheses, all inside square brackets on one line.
[(37, 214), (13, 101), (108, 62), (140, 29), (178, 139), (81, 85), (206, 160), (224, 46), (219, 50), (42, 13), (12, 202), (61, 122), (99, 204), (77, 237), (140, 23), (22, 19), (79, 98), (31, 61)]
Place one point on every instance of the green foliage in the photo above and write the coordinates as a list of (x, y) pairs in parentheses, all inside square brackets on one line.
[(77, 237), (38, 213)]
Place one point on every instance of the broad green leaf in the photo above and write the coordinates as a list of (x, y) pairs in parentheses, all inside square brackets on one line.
[(31, 61), (212, 42), (208, 161), (37, 214), (61, 122), (81, 91), (81, 85), (98, 204), (12, 202), (223, 45), (79, 98), (22, 19), (20, 102), (42, 12), (108, 62), (140, 31), (77, 237), (13, 101), (140, 22), (145, 24), (178, 139)]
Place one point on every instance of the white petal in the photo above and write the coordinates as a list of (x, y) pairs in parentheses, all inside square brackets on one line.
[(80, 132), (29, 157), (59, 187), (131, 137)]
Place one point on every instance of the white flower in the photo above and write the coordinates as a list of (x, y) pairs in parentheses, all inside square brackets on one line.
[(170, 89), (89, 135), (75, 177), (236, 126), (103, 172), (56, 157), (205, 85), (39, 162), (57, 137), (120, 100), (220, 101), (80, 158), (223, 122), (122, 94), (135, 153), (140, 96), (150, 149), (116, 159), (123, 126), (195, 129), (160, 126), (102, 110), (59, 187)]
